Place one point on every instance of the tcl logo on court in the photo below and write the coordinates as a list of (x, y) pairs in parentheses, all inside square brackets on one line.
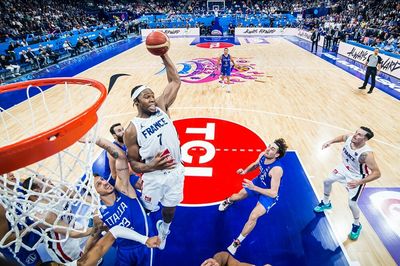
[(212, 151), (214, 45)]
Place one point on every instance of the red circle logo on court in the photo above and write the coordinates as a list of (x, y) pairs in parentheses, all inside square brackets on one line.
[(212, 151), (214, 45)]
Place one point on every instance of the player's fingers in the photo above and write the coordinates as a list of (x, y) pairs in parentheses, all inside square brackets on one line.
[(206, 263), (171, 165), (164, 157)]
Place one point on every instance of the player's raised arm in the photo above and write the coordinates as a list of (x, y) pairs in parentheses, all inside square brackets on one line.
[(121, 164), (170, 92), (341, 138)]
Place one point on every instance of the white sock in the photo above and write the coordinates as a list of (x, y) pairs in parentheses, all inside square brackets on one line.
[(241, 238), (355, 211), (165, 227), (326, 199)]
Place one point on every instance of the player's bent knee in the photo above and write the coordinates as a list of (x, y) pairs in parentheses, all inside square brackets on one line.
[(327, 182)]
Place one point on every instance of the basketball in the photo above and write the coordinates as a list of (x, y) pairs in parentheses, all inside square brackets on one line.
[(157, 43)]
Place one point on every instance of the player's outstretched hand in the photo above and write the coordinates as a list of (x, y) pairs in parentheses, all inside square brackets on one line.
[(240, 171), (326, 145), (153, 242), (210, 262)]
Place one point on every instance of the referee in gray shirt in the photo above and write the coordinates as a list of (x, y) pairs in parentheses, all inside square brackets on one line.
[(373, 64)]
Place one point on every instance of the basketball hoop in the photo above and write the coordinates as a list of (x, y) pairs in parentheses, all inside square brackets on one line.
[(53, 186), (42, 145)]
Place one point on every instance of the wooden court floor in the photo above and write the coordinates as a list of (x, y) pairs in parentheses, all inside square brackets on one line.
[(304, 99)]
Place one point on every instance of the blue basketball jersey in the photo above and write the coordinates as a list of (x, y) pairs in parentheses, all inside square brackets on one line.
[(226, 61), (123, 147), (126, 212), (264, 171), (23, 256)]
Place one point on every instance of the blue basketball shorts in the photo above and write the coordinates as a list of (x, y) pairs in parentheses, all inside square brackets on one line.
[(225, 71), (266, 201), (139, 256)]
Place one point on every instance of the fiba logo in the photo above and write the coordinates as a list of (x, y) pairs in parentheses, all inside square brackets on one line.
[(212, 151), (388, 205), (203, 70), (216, 32), (31, 258)]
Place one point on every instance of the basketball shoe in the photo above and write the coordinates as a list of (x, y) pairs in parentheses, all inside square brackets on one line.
[(323, 207), (234, 246), (161, 234), (224, 205), (355, 231)]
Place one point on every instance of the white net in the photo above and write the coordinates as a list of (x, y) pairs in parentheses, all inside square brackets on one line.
[(215, 5), (55, 194)]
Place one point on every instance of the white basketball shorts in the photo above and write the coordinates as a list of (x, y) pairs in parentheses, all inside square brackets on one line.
[(163, 186), (342, 175)]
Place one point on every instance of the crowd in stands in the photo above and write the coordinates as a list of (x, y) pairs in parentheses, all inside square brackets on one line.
[(23, 23), (369, 22)]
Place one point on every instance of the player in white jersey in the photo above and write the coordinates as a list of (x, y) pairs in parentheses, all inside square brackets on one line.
[(64, 247), (358, 167), (154, 149)]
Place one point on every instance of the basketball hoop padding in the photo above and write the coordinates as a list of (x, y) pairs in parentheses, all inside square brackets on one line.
[(45, 144)]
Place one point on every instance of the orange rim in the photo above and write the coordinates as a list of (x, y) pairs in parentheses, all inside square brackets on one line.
[(47, 143)]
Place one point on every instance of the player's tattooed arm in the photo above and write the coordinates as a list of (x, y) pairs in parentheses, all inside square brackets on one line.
[(362, 157), (106, 145), (369, 160), (111, 151)]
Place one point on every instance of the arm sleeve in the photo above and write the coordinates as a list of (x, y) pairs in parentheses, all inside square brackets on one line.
[(122, 232)]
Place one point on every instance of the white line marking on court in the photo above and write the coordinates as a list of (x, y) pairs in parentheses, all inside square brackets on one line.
[(262, 112), (353, 263), (200, 205), (232, 150)]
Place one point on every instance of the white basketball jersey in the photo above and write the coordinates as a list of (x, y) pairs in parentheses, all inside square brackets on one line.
[(350, 158), (155, 134)]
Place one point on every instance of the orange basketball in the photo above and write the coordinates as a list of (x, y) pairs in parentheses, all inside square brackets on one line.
[(157, 43)]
